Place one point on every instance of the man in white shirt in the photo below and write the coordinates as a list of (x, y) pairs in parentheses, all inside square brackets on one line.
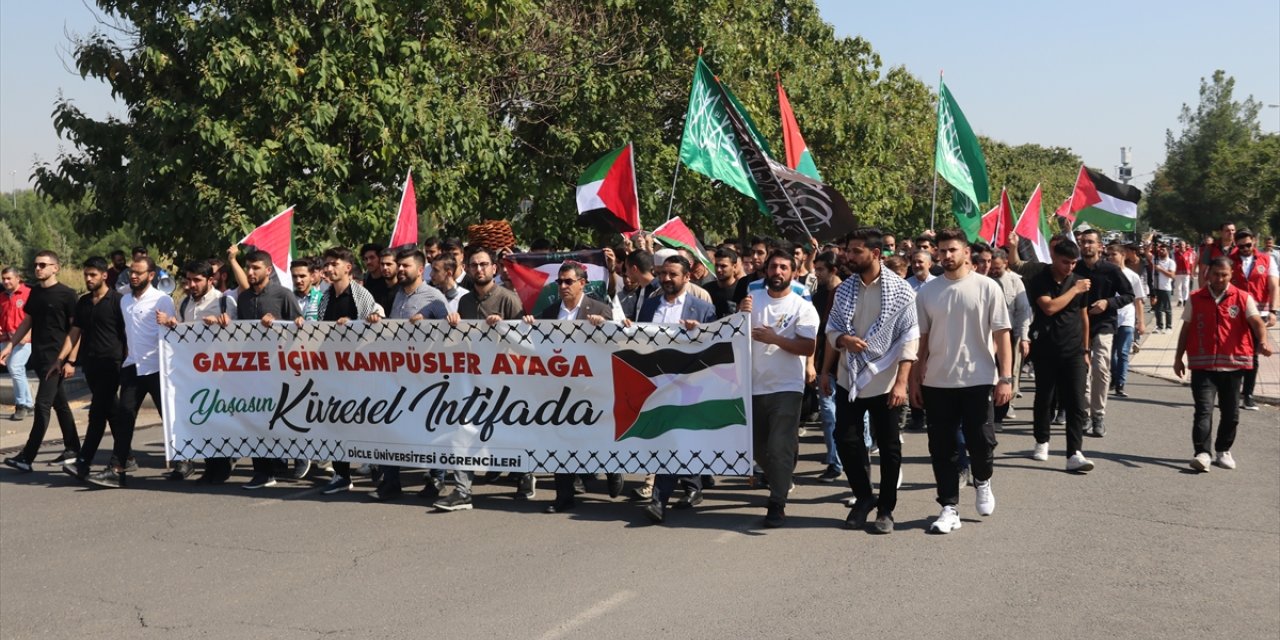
[(140, 372), (872, 337), (1164, 268), (957, 376), (443, 276), (921, 264), (785, 326), (1015, 298), (1131, 323)]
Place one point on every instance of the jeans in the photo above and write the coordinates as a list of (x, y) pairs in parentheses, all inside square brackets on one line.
[(133, 390), (1062, 379), (1120, 348), (968, 408), (1099, 380), (1204, 386), (827, 409), (103, 377), (852, 441), (18, 372), (774, 418), (50, 397), (1164, 310)]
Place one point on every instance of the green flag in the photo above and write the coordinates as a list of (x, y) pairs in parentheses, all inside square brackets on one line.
[(709, 145), (958, 159)]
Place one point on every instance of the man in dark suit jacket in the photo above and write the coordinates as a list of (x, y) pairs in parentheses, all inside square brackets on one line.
[(575, 305), (675, 306)]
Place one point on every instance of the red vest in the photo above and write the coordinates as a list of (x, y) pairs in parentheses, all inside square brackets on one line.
[(1256, 284), (1218, 336)]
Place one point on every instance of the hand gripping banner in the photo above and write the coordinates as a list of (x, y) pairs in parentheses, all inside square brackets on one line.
[(550, 397)]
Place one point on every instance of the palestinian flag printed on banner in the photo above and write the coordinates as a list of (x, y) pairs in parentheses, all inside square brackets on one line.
[(533, 275), (607, 191), (669, 389), (1103, 202), (676, 234)]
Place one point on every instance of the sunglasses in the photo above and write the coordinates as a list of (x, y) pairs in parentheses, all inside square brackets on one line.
[(1245, 246), (480, 265), (43, 265), (566, 282)]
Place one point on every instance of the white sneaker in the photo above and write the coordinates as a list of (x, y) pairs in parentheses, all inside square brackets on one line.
[(1012, 415), (1042, 452), (1201, 462), (1225, 460), (900, 476), (947, 521), (986, 502), (1077, 462)]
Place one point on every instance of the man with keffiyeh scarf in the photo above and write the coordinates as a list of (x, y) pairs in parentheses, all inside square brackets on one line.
[(872, 333)]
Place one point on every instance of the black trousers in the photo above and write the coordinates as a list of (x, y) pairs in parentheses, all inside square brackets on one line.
[(564, 485), (775, 422), (664, 484), (1062, 380), (1205, 385), (1251, 375), (103, 376), (133, 390), (50, 398), (950, 411), (853, 448)]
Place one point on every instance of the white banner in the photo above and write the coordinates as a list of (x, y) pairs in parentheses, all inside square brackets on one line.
[(551, 397)]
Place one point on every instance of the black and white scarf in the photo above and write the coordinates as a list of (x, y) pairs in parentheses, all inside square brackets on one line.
[(892, 330)]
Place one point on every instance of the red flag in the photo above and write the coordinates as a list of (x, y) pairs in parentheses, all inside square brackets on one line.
[(275, 236), (1006, 220), (406, 229), (990, 226), (798, 156)]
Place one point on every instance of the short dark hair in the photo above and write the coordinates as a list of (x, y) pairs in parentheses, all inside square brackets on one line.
[(999, 254), (431, 242), (137, 250), (200, 268), (300, 262), (768, 242), (871, 237), (1060, 236), (412, 253), (371, 246), (97, 263), (728, 253), (579, 271), (1221, 261), (541, 244), (949, 234), (641, 260), (448, 245), (117, 252), (979, 247), (924, 237), (779, 253), (481, 249), (1241, 234), (826, 259), (258, 255), (46, 253), (339, 253), (1090, 231), (151, 264), (1067, 250), (387, 253), (685, 267)]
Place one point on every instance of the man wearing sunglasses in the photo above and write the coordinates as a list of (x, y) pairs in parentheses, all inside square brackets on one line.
[(1257, 274), (49, 312)]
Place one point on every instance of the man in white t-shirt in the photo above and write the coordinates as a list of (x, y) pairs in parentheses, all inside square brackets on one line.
[(958, 375), (1164, 268), (784, 327), (1130, 323)]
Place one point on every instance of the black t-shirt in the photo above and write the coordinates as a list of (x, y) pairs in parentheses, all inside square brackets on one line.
[(51, 310), (1060, 335), (341, 305), (721, 298), (740, 291), (274, 299), (102, 333), (382, 293), (1108, 284)]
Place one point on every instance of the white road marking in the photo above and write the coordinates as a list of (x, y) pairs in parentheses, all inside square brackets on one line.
[(595, 611)]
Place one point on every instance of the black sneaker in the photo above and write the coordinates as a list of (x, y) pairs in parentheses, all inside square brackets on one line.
[(259, 481), (386, 492), (17, 462), (830, 475), (433, 489), (615, 484), (337, 485), (130, 465), (300, 469), (182, 470), (528, 487), (1248, 404), (66, 455), (454, 502), (76, 469), (110, 478), (655, 512), (1120, 392), (213, 477), (776, 516), (883, 524), (20, 413), (1099, 428), (857, 517), (759, 481)]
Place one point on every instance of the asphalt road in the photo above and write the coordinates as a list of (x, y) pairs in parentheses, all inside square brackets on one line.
[(1140, 548)]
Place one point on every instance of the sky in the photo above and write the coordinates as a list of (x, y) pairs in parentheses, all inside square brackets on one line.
[(1093, 76)]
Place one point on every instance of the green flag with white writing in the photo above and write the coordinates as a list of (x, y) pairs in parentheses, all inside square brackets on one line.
[(958, 159), (709, 145)]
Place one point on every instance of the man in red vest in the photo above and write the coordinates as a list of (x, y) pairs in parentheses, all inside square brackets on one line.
[(1255, 273), (1220, 326)]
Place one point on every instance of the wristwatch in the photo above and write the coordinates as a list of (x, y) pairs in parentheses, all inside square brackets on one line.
[(1007, 380)]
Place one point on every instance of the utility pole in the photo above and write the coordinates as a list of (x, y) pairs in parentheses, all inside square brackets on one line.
[(1125, 170)]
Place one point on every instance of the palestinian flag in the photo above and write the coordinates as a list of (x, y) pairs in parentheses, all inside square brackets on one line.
[(1035, 227), (676, 234), (406, 230), (533, 275), (665, 390), (998, 222), (1103, 202), (275, 236), (798, 156), (607, 191)]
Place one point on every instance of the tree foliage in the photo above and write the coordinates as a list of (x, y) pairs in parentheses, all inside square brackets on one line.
[(236, 110), (30, 223), (1219, 168)]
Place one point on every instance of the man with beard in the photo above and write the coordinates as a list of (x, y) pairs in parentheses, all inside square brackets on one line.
[(676, 306), (304, 288), (493, 304), (1222, 247), (824, 267), (760, 248), (957, 377), (1060, 335), (49, 312), (265, 302), (921, 269), (1109, 290), (726, 281), (786, 327), (203, 303), (99, 321), (872, 337), (1255, 273), (444, 277), (142, 308), (415, 299)]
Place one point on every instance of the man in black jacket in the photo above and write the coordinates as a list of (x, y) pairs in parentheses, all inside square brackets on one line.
[(1109, 290)]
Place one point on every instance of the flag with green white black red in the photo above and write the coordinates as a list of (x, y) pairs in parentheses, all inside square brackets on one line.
[(676, 234), (533, 276), (672, 389), (1103, 202), (798, 156), (607, 194)]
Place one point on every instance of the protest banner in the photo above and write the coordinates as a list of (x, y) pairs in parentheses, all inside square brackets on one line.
[(548, 397)]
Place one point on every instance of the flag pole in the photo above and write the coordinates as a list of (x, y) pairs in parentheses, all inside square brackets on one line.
[(933, 210), (672, 202)]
